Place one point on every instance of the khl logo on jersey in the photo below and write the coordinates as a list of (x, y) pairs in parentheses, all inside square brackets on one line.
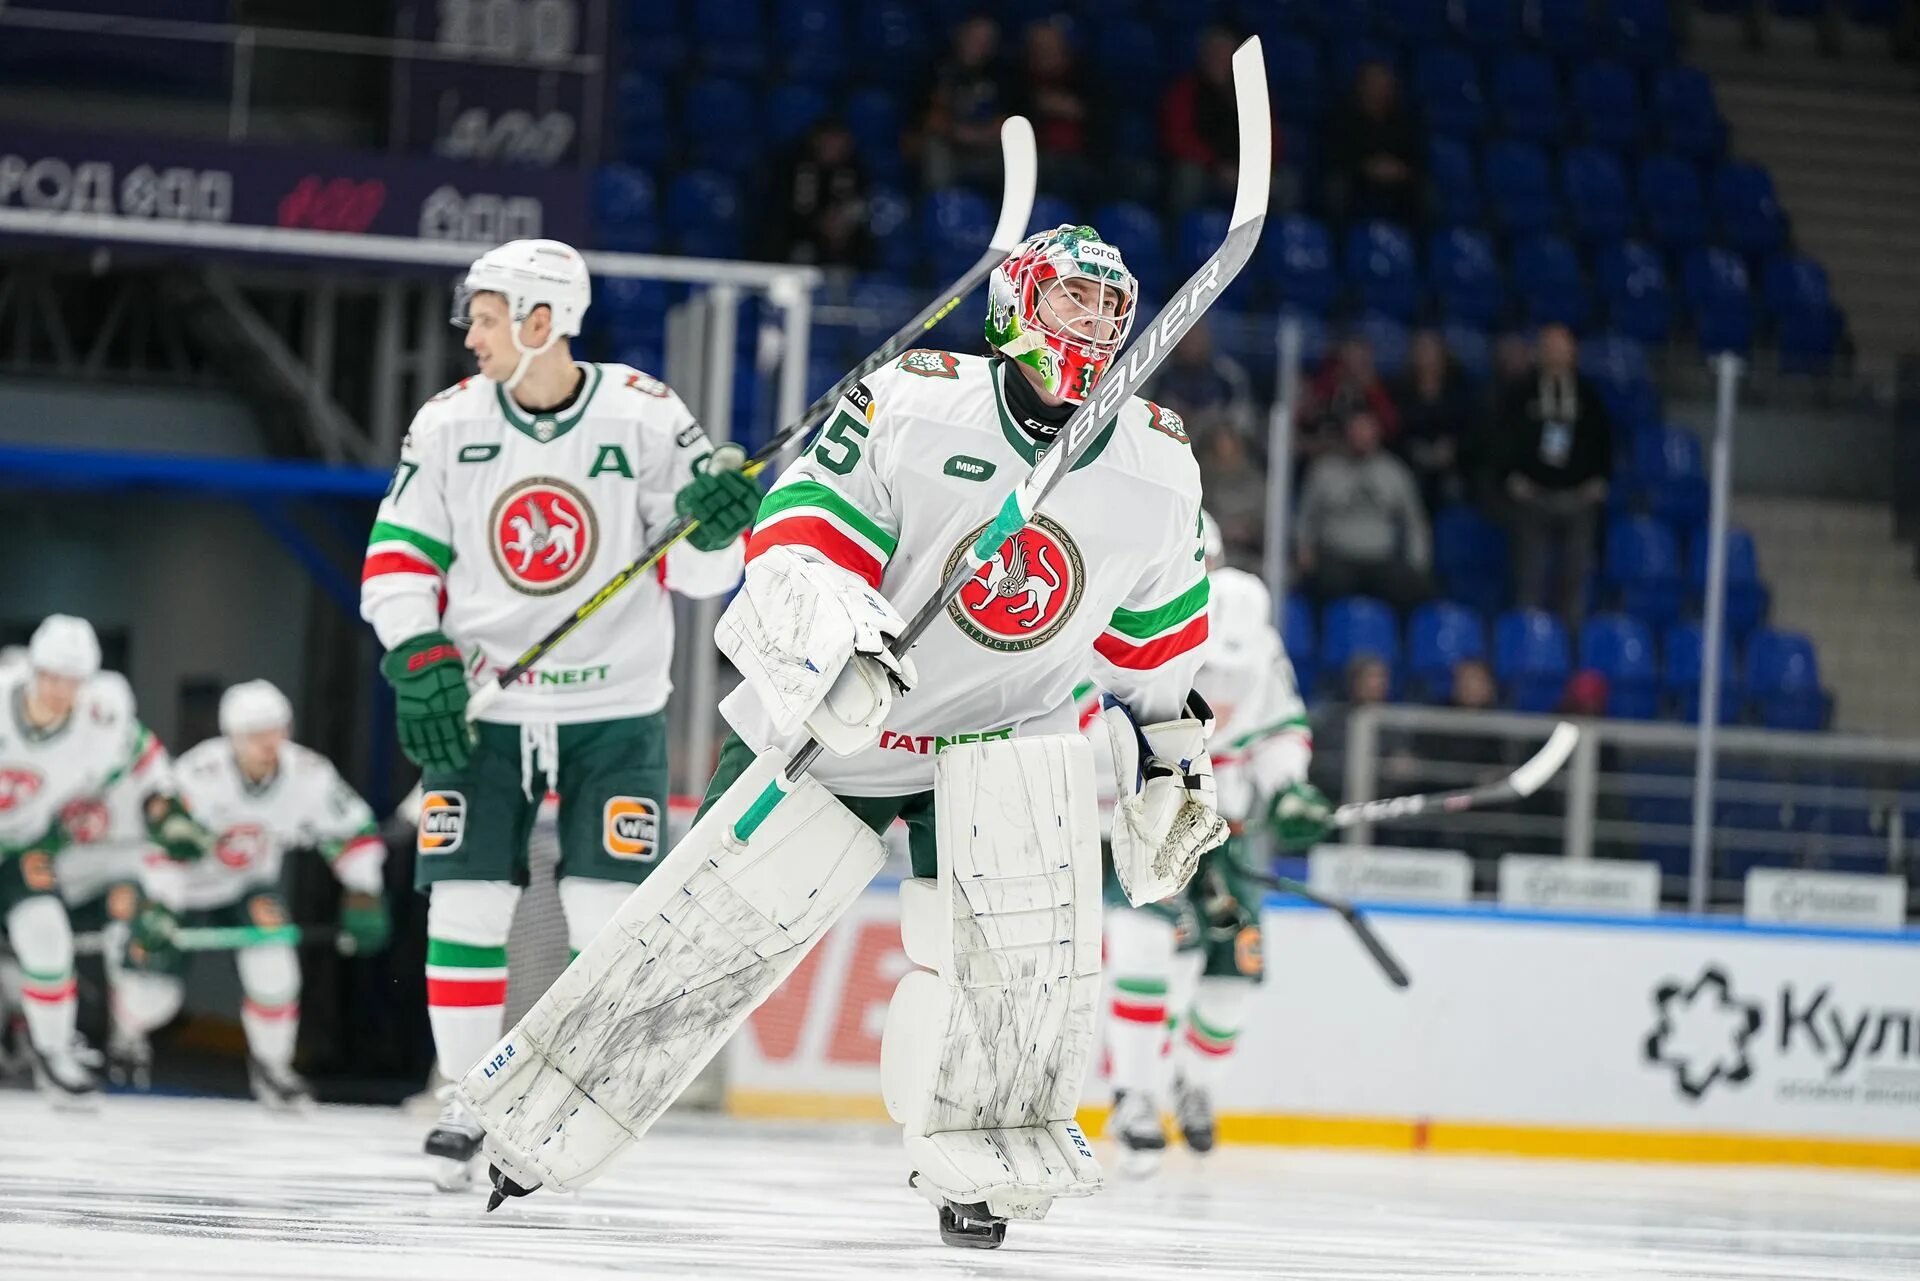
[(1025, 592), (544, 535)]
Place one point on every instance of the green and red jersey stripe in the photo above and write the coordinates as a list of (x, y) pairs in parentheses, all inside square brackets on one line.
[(807, 513), (395, 549), (1140, 1001), (462, 974), (1211, 1041), (48, 989), (1142, 639)]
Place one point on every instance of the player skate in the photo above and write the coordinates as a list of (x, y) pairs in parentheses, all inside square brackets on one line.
[(1136, 1126), (454, 1144), (68, 1074), (1193, 1113), (278, 1086), (129, 1060)]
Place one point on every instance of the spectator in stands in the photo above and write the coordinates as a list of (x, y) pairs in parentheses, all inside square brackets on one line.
[(1361, 527), (1200, 126), (1236, 488), (1437, 412), (820, 212), (1202, 385), (1551, 460), (1368, 680), (1375, 151), (1347, 381), (1473, 687), (960, 130), (1050, 94)]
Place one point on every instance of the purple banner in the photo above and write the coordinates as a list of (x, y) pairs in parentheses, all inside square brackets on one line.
[(311, 188)]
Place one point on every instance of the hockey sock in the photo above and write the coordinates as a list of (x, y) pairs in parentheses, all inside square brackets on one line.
[(38, 931), (1209, 1029), (270, 1012), (588, 905), (467, 927), (1140, 955)]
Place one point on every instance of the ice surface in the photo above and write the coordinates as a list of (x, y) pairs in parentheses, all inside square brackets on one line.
[(215, 1191)]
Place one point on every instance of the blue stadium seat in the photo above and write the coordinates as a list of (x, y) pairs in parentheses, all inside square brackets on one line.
[(1642, 565), (1050, 212), (1136, 229), (895, 44), (1565, 27), (1783, 680), (1357, 625), (1751, 219), (624, 213), (895, 231), (1681, 673), (1439, 635), (1129, 52), (873, 118), (1526, 98), (1490, 26), (1599, 202), (730, 36), (1642, 32), (1547, 277), (1621, 649), (656, 36), (957, 224), (884, 304), (1293, 70), (1616, 361), (1471, 558), (1390, 342), (1412, 22), (1670, 465), (1456, 184), (1198, 235), (1303, 647), (1470, 348), (1715, 281), (1632, 281), (1520, 187), (1807, 324), (1747, 597), (704, 215), (642, 133), (1380, 266), (792, 109), (813, 41), (723, 124), (1301, 261), (1606, 101), (1675, 205), (635, 310), (1446, 85), (1530, 657), (1689, 117), (1465, 276)]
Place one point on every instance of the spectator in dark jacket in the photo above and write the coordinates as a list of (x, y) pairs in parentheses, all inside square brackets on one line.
[(1437, 411), (1200, 128), (1050, 94), (1375, 151), (1552, 459), (1361, 527), (1346, 382), (961, 126), (819, 214)]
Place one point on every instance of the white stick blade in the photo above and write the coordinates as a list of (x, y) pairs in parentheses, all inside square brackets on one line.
[(1532, 776), (1022, 172), (1256, 133)]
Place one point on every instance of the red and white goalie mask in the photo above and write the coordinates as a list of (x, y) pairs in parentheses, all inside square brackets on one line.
[(1062, 305)]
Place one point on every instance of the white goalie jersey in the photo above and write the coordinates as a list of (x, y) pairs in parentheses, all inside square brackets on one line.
[(498, 523), (305, 803), (1109, 576)]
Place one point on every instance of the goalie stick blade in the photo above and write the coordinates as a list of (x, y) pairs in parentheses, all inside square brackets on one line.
[(1522, 783), (1020, 174), (1532, 776)]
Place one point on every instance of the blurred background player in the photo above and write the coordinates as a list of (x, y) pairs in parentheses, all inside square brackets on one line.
[(518, 492), (1183, 969), (260, 794), (65, 736)]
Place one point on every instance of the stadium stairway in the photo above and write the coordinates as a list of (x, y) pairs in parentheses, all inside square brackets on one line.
[(1838, 136), (1838, 575)]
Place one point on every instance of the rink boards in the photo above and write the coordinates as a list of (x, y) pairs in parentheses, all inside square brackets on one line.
[(1664, 1038)]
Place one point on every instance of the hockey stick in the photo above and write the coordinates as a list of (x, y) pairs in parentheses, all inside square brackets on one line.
[(1347, 912), (1517, 786), (232, 938), (1016, 207), (1126, 375)]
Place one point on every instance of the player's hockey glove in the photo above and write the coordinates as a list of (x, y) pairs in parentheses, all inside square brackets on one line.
[(178, 833), (1301, 816), (365, 922), (429, 700), (1165, 815), (722, 498), (150, 938)]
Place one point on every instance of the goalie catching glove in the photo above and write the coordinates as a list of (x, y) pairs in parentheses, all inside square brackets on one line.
[(812, 640), (1165, 815)]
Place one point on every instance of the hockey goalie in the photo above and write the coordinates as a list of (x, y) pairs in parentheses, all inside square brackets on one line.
[(972, 740)]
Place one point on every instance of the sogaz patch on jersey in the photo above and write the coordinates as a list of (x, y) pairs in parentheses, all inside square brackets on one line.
[(443, 822), (632, 828)]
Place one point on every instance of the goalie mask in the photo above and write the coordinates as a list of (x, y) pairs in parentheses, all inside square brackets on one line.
[(1068, 332), (529, 274)]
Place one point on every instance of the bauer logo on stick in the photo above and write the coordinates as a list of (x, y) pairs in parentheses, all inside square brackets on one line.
[(443, 822), (1025, 592), (633, 828), (544, 535)]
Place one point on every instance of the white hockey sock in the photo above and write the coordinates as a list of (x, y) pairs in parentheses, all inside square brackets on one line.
[(1209, 1029), (467, 927), (588, 905), (1140, 957), (38, 931), (270, 1012)]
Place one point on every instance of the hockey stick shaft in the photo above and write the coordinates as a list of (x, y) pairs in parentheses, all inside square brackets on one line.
[(1125, 376), (1395, 972), (1016, 207), (1517, 786), (227, 938)]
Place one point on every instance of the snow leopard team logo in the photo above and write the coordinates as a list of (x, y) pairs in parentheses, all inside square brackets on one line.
[(1025, 592), (929, 363), (544, 535)]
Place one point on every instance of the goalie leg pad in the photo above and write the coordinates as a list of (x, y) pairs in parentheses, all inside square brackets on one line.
[(695, 949), (987, 1046)]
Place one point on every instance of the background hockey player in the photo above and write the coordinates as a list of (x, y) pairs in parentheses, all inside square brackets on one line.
[(987, 1044), (518, 492), (1202, 947), (64, 737), (260, 794)]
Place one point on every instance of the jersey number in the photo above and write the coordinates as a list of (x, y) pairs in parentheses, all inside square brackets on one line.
[(838, 434), (401, 475)]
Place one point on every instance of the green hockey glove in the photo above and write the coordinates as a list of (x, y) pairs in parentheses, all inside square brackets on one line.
[(1301, 816), (150, 938), (722, 498), (179, 834), (429, 700), (365, 921)]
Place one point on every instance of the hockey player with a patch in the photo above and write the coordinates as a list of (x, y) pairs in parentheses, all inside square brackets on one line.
[(519, 493), (261, 795)]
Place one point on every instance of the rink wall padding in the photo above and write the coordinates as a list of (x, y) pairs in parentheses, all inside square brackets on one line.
[(1543, 1034)]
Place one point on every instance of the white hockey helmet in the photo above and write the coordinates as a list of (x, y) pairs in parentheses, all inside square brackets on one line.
[(1211, 543), (1239, 620), (252, 706), (65, 646), (529, 274)]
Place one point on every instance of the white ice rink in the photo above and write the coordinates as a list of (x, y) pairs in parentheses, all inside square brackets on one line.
[(216, 1190)]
